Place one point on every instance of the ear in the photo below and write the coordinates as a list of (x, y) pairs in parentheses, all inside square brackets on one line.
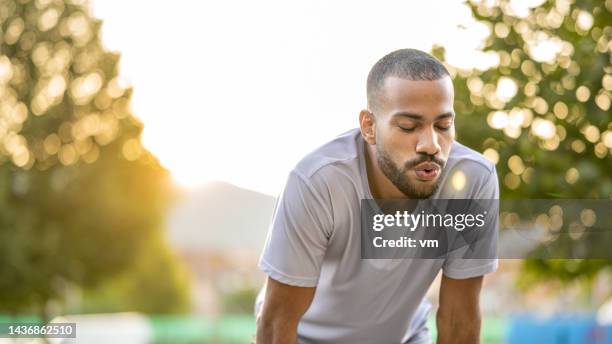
[(367, 124)]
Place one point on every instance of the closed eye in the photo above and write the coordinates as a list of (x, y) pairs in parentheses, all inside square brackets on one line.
[(444, 125), (408, 130)]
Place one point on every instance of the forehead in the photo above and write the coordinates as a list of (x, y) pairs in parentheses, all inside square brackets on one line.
[(425, 97)]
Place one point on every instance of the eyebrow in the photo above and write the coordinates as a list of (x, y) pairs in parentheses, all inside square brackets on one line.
[(420, 117)]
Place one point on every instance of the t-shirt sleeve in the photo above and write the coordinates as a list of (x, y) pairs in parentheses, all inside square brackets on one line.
[(457, 267), (298, 236)]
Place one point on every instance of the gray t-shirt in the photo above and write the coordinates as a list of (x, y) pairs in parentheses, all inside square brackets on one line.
[(314, 241)]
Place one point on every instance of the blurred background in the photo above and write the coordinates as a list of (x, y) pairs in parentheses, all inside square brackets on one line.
[(143, 144)]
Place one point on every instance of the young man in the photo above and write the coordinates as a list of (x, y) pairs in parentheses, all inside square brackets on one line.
[(319, 290)]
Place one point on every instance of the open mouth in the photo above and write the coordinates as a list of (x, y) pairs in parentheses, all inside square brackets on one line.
[(427, 171)]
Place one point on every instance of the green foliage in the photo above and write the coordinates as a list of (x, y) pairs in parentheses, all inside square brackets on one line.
[(80, 198), (547, 93), (552, 137), (240, 301), (156, 283)]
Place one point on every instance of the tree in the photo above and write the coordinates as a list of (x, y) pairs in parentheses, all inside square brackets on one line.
[(80, 198), (547, 105), (154, 284)]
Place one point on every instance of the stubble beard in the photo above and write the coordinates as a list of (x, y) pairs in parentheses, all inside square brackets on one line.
[(398, 176)]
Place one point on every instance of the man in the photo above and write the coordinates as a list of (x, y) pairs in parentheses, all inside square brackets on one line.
[(319, 290)]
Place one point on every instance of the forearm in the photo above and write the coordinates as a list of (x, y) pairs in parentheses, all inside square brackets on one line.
[(281, 312), (458, 327), (272, 331)]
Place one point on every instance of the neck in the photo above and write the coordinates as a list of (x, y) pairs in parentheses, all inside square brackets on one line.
[(380, 186)]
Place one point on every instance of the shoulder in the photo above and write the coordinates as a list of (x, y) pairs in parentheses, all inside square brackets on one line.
[(333, 162), (470, 159), (330, 170), (468, 174), (341, 150)]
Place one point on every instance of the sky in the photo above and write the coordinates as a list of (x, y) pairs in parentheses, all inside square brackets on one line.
[(239, 91)]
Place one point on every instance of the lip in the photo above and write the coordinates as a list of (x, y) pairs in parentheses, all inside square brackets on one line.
[(427, 171)]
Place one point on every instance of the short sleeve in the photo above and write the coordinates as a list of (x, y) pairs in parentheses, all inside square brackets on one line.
[(297, 239), (461, 268)]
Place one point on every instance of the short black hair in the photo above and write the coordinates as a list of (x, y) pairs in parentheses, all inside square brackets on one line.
[(409, 64)]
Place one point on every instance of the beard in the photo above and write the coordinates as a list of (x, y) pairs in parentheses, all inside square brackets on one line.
[(399, 177)]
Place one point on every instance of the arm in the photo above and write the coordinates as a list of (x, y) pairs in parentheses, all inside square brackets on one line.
[(282, 309), (458, 318)]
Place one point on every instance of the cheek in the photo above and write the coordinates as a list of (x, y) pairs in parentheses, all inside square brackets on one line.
[(401, 147), (446, 141)]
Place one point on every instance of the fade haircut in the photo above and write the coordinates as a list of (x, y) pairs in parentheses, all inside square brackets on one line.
[(409, 64)]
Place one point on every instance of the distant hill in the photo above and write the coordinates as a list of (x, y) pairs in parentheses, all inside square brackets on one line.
[(220, 216)]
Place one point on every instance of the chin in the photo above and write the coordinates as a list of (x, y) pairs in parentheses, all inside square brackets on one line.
[(427, 187), (428, 192), (428, 184)]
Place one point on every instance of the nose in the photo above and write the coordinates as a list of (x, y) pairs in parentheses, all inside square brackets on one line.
[(428, 143)]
